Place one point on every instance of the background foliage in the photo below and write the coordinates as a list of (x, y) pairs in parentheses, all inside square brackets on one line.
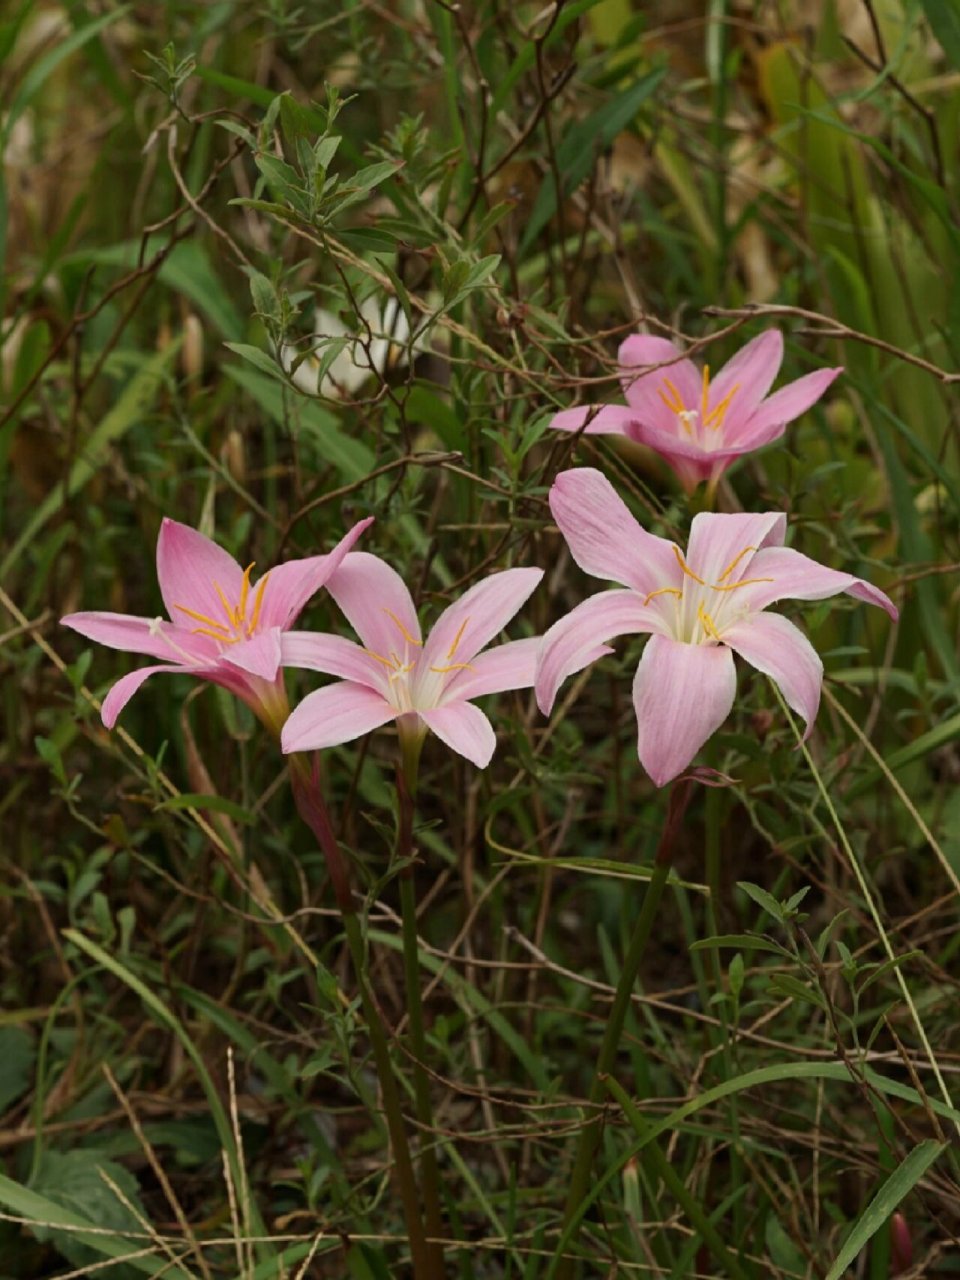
[(182, 185)]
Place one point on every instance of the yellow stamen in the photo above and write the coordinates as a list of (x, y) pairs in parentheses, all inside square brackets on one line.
[(244, 592), (707, 623), (227, 607), (454, 666), (391, 666), (216, 635), (457, 638), (744, 582), (735, 561), (403, 630), (257, 604), (686, 568), (200, 617), (705, 392), (673, 591), (677, 406), (719, 411)]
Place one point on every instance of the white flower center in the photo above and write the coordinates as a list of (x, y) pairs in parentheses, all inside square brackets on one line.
[(703, 610), (412, 685), (705, 423)]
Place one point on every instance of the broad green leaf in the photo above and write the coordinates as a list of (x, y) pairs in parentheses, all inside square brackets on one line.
[(30, 1204), (75, 1181)]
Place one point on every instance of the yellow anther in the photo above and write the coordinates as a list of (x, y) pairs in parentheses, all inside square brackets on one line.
[(707, 623), (705, 391), (661, 591), (457, 638), (454, 666), (686, 568), (200, 617), (257, 604), (403, 630), (735, 561), (244, 592), (719, 411)]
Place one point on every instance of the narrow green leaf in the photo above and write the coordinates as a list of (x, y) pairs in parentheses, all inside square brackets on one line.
[(900, 1183), (218, 804), (944, 19), (126, 413)]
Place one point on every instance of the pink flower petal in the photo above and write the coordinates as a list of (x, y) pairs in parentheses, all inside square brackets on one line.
[(291, 585), (595, 419), (465, 729), (780, 650), (579, 638), (125, 688), (645, 392), (333, 655), (717, 544), (481, 613), (752, 371), (260, 655), (682, 694), (153, 636), (338, 713), (782, 407), (508, 666), (796, 577), (189, 569), (604, 538), (375, 601)]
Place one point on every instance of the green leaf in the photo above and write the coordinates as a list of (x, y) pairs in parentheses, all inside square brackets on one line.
[(578, 150), (17, 1054), (35, 1207), (135, 398), (217, 804), (753, 941), (900, 1183), (763, 899), (350, 457), (75, 1181), (944, 19)]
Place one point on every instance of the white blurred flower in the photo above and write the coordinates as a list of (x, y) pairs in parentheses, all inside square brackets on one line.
[(389, 347)]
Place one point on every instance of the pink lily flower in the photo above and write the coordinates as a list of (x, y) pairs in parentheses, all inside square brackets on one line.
[(225, 628), (699, 425), (699, 610), (397, 675)]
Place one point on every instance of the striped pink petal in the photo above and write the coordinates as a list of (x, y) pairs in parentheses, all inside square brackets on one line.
[(338, 713), (682, 694)]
